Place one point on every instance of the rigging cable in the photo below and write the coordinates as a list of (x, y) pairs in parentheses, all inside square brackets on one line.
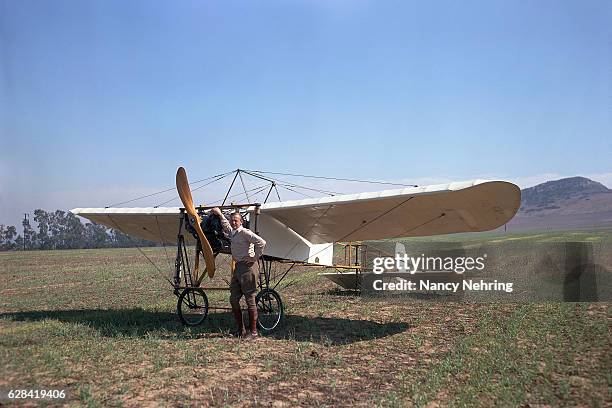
[(329, 193), (162, 241), (195, 189), (139, 249), (334, 178), (298, 192), (286, 185), (349, 234), (263, 186), (165, 191), (290, 184)]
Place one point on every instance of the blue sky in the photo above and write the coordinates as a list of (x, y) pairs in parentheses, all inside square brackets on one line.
[(100, 101)]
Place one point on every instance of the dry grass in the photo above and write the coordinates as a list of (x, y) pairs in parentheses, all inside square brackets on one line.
[(101, 324)]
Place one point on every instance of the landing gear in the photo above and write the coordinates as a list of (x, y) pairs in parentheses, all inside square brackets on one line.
[(270, 309), (192, 306)]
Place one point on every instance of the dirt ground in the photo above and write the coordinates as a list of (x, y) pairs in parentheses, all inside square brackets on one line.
[(101, 325)]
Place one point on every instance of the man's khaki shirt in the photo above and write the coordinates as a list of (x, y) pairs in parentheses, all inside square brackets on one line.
[(246, 245)]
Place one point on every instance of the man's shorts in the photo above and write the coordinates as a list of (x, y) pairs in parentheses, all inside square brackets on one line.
[(244, 281)]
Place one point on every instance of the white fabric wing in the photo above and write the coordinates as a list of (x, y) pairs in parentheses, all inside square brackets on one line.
[(416, 211)]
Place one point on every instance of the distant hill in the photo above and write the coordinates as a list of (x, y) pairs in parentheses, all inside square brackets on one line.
[(569, 203)]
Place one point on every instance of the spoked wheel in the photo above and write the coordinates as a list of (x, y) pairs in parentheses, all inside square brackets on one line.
[(192, 306), (269, 310)]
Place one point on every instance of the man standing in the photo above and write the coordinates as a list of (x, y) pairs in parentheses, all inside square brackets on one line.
[(247, 247)]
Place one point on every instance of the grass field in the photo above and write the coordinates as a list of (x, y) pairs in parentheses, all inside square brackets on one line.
[(101, 325)]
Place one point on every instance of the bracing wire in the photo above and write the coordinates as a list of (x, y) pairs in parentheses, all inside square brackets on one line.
[(162, 240), (298, 192), (195, 189), (259, 173), (167, 190), (323, 214), (290, 184), (261, 190), (139, 248), (330, 193), (333, 178), (355, 230), (283, 184), (261, 187)]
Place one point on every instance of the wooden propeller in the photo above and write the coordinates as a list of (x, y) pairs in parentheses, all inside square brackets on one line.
[(182, 186)]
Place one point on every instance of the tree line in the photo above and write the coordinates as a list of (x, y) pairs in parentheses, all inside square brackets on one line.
[(63, 230)]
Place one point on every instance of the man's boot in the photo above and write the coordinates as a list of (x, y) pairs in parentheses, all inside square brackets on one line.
[(240, 331), (253, 322)]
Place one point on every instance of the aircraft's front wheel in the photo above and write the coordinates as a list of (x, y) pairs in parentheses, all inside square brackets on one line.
[(192, 306)]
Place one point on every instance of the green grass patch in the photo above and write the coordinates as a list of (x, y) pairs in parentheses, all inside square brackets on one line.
[(102, 325)]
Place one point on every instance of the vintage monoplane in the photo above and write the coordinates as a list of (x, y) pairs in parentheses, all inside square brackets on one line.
[(303, 232)]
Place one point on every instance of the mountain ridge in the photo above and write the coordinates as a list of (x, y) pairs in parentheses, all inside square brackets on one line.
[(572, 202)]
